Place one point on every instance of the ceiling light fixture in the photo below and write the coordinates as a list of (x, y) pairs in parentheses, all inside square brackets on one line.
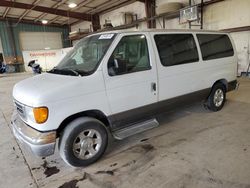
[(44, 21), (72, 5)]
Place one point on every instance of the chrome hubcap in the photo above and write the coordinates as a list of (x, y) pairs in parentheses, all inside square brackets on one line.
[(87, 144), (218, 97)]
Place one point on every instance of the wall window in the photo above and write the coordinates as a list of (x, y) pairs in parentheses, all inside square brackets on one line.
[(130, 55), (215, 46), (176, 49)]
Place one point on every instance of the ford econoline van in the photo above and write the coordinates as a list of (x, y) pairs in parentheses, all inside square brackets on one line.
[(115, 83)]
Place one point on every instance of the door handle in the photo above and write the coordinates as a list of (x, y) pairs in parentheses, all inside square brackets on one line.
[(153, 85)]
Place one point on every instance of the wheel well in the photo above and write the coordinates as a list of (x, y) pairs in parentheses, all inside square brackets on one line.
[(222, 81), (97, 114)]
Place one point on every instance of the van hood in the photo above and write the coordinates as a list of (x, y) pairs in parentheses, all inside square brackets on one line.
[(41, 89)]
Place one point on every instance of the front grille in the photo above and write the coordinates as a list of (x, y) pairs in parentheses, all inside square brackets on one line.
[(20, 109)]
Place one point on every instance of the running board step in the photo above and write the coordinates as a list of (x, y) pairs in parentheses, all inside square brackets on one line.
[(135, 129)]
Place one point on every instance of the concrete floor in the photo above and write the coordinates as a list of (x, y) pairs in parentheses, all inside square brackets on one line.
[(192, 148)]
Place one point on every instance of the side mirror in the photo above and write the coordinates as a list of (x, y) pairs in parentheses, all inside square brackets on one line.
[(117, 67)]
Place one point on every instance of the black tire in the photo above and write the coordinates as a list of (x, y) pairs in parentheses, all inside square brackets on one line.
[(69, 138), (212, 103)]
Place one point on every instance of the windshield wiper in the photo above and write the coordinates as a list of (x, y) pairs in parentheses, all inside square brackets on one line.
[(72, 70), (65, 71)]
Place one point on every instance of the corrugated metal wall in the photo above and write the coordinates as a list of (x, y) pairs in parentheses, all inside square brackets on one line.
[(22, 27), (5, 39)]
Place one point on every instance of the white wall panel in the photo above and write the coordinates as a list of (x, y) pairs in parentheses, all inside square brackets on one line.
[(242, 43), (227, 14), (40, 40), (116, 16), (81, 25), (160, 2), (170, 24), (217, 16)]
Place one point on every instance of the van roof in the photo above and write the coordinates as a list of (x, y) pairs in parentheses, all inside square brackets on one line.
[(163, 30)]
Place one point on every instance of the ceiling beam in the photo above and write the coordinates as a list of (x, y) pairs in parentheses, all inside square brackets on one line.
[(101, 5), (84, 4), (80, 5), (59, 12), (28, 11), (25, 21), (6, 11), (56, 5), (74, 23), (54, 19), (109, 7)]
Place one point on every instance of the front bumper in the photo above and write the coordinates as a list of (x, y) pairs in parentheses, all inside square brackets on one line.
[(39, 143)]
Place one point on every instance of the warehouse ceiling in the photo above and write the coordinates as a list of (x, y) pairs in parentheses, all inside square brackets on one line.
[(56, 11)]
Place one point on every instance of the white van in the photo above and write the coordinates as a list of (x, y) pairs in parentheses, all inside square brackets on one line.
[(117, 82)]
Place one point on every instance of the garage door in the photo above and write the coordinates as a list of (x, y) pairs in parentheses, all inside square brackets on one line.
[(40, 40)]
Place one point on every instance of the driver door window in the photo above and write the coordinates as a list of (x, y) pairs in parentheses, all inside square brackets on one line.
[(130, 55)]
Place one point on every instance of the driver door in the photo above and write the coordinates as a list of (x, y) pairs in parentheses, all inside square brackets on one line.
[(131, 80)]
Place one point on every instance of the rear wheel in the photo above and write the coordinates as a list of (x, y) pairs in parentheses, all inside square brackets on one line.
[(83, 141), (217, 97)]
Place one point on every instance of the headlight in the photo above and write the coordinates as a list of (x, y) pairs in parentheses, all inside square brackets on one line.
[(38, 115), (29, 116), (41, 114)]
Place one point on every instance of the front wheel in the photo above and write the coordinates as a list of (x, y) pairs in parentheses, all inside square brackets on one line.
[(217, 97), (83, 141)]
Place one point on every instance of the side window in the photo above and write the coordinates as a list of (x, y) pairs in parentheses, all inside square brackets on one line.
[(176, 49), (130, 55), (215, 46)]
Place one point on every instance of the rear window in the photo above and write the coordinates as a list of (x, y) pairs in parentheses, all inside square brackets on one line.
[(176, 49), (215, 46)]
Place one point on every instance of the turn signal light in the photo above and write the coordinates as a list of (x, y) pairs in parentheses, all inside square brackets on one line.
[(41, 114)]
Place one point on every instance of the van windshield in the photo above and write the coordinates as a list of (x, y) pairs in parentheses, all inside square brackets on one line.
[(85, 57)]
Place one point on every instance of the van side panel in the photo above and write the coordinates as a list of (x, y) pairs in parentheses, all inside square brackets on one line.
[(179, 80), (181, 84), (176, 80), (216, 69)]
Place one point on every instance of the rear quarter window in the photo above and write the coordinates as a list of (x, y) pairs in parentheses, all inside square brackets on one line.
[(215, 46), (176, 49)]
